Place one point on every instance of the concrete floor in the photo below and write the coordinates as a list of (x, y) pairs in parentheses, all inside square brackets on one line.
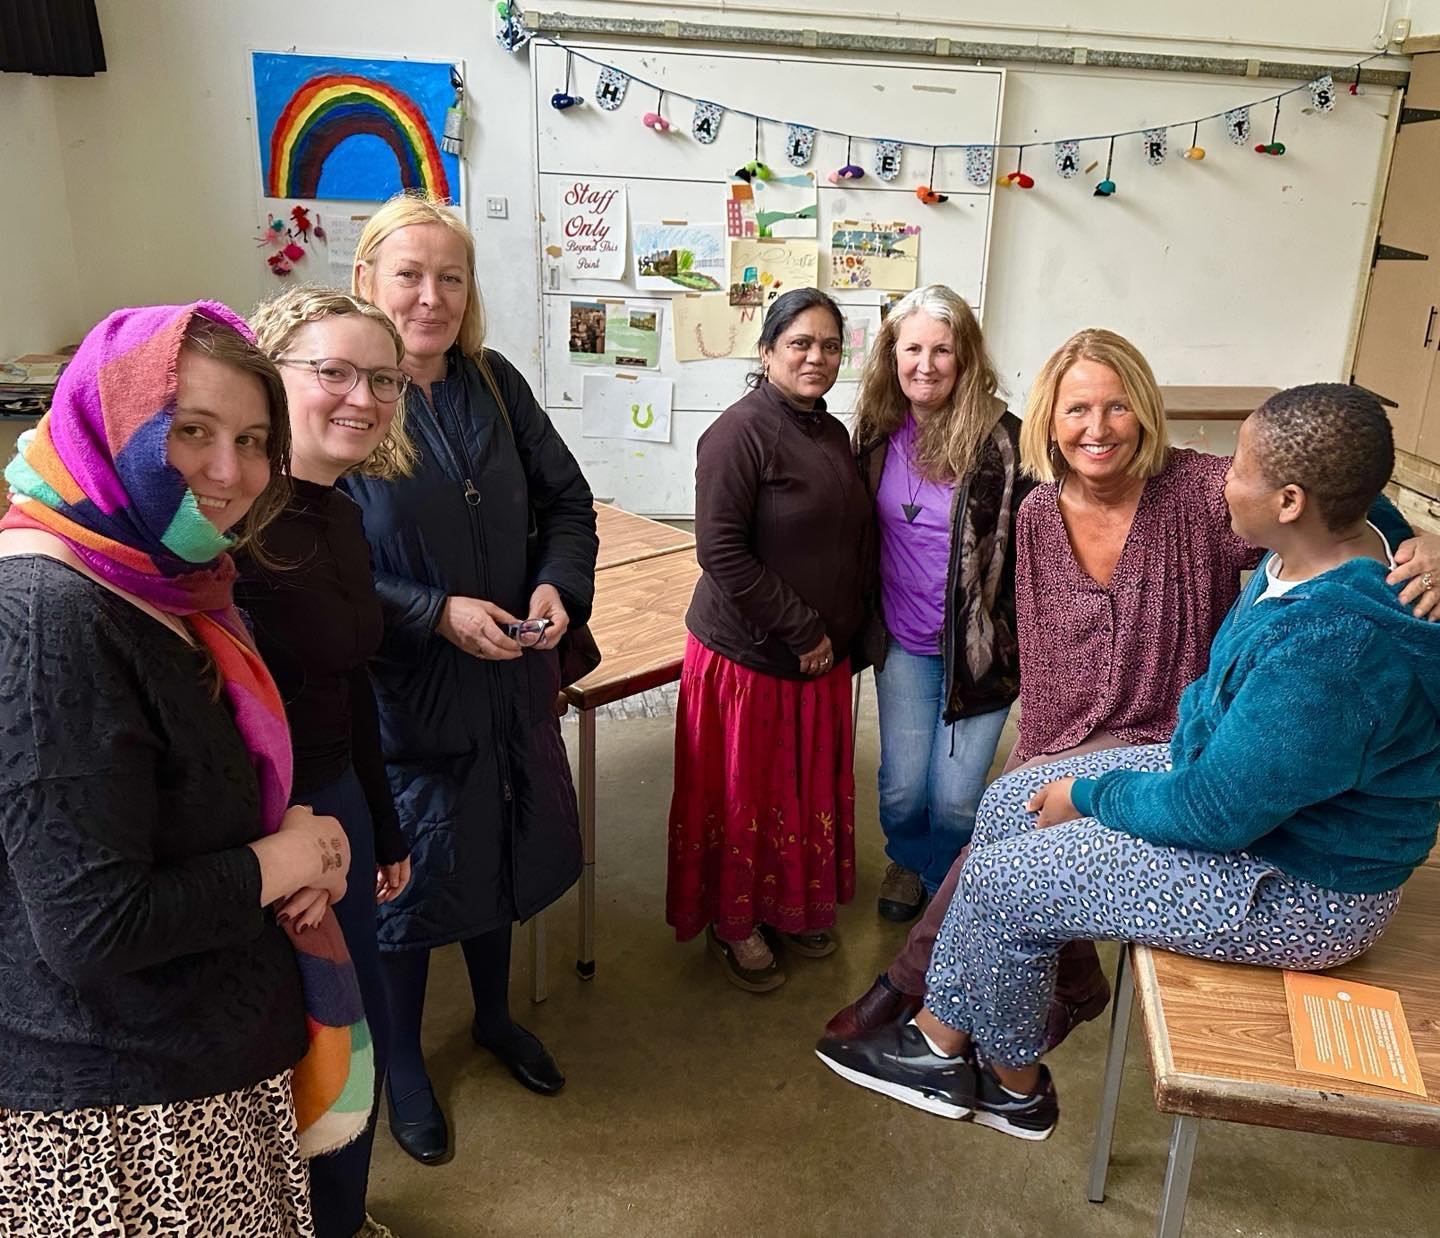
[(693, 1108)]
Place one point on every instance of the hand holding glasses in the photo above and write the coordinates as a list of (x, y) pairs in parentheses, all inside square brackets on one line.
[(527, 633), (339, 377)]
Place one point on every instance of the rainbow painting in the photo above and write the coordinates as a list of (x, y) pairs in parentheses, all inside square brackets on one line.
[(337, 127)]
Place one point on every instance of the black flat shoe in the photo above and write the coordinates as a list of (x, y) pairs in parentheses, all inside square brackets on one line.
[(525, 1058), (428, 1138)]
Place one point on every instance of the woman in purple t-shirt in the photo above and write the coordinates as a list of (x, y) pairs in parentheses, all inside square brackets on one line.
[(941, 459)]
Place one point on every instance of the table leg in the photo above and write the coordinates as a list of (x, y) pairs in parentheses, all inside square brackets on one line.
[(539, 991), (1114, 1072), (1177, 1176), (585, 960)]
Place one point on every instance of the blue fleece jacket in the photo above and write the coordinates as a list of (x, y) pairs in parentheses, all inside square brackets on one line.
[(1313, 740)]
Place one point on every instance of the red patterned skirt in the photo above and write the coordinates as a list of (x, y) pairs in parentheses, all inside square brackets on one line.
[(762, 821)]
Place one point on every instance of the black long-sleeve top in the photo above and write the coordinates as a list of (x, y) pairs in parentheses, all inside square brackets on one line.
[(137, 966), (782, 530), (317, 622)]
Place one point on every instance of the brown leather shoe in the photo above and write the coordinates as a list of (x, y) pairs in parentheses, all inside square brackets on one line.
[(901, 894), (880, 1005), (1065, 1016), (751, 979)]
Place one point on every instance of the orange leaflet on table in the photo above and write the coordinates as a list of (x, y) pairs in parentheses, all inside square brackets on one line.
[(1351, 1031)]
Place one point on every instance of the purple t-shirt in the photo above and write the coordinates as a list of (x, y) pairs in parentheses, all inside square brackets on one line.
[(914, 555)]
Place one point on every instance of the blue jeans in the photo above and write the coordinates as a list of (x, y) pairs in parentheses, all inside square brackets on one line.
[(930, 779)]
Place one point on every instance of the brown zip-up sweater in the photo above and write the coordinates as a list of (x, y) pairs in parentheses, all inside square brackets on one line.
[(783, 529)]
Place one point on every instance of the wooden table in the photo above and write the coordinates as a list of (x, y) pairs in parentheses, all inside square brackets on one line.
[(645, 574), (1220, 1047), (1213, 403)]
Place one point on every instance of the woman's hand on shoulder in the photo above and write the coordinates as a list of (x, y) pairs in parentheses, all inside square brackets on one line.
[(1052, 804), (545, 603), (473, 626), (1417, 568)]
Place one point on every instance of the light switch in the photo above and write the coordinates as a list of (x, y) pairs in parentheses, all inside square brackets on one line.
[(496, 208)]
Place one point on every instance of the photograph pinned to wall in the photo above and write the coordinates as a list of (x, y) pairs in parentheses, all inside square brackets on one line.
[(709, 328), (619, 333), (624, 406), (862, 324), (761, 270), (587, 330), (350, 128), (867, 254), (787, 206), (675, 254), (593, 221), (740, 209)]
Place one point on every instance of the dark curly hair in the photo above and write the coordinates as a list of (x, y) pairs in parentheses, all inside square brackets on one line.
[(1333, 441)]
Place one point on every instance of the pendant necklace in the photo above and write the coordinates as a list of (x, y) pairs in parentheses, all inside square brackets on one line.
[(912, 483)]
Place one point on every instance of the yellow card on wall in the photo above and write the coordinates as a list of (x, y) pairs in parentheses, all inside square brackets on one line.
[(708, 327)]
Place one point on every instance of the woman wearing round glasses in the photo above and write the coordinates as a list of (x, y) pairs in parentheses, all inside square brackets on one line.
[(317, 622)]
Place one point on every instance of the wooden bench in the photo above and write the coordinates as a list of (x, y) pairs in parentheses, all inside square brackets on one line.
[(1220, 1047)]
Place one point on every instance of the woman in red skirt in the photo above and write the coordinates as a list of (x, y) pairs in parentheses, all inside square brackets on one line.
[(762, 823)]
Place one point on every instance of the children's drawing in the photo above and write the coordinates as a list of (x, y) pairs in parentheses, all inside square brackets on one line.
[(354, 129), (709, 328), (761, 270), (866, 254), (679, 255), (740, 209), (787, 206)]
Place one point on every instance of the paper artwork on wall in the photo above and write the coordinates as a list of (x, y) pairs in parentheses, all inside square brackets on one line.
[(592, 225), (709, 328), (787, 206), (360, 130), (862, 324), (342, 237), (866, 254), (761, 270), (620, 333), (671, 255), (619, 406), (740, 209)]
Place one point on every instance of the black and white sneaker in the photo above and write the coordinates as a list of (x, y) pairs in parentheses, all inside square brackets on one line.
[(896, 1061), (1031, 1117)]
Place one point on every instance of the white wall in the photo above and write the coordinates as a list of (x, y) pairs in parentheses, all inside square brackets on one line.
[(39, 311), (159, 202)]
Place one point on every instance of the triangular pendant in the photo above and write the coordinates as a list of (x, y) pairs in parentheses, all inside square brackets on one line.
[(911, 510)]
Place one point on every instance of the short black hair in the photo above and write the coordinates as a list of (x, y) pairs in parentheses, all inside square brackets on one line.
[(1332, 440), (784, 310)]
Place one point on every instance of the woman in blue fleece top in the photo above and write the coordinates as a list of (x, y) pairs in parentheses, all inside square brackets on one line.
[(1300, 790)]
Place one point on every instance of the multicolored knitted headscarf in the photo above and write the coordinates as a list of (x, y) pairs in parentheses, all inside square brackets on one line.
[(96, 474)]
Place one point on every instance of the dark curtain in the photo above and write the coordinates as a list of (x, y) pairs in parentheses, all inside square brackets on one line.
[(51, 37)]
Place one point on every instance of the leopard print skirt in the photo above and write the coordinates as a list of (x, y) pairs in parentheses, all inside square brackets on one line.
[(221, 1165)]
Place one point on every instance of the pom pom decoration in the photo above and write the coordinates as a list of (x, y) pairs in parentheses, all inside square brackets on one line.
[(754, 171), (1195, 151), (654, 120), (1106, 188), (1019, 179), (927, 195), (1272, 147), (562, 99), (850, 172)]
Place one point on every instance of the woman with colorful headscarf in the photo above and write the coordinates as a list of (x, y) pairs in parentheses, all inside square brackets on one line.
[(156, 1074)]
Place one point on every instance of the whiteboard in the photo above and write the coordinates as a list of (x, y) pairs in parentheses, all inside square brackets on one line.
[(673, 177)]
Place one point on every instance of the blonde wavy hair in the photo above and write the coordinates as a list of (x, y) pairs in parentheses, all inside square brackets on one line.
[(949, 443), (277, 320), (405, 210), (1104, 348)]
